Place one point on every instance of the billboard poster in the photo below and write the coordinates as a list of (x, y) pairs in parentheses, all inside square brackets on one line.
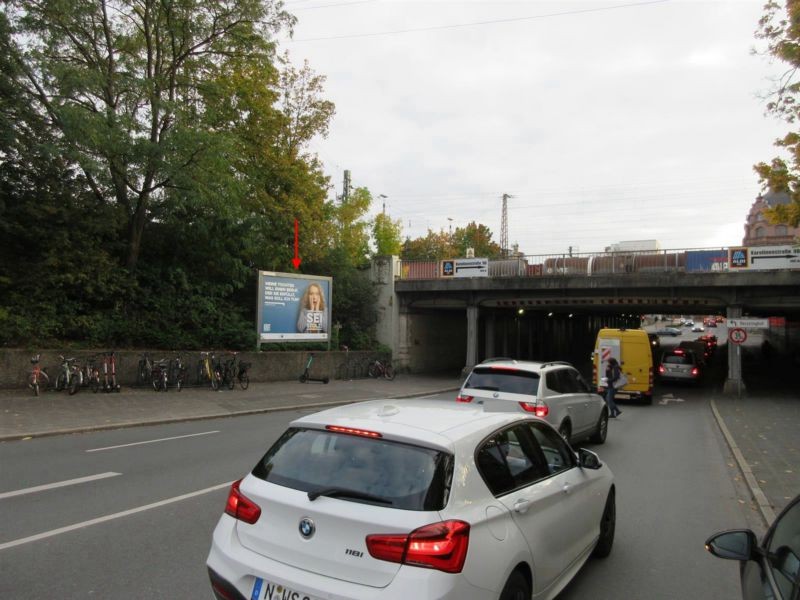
[(707, 260), (293, 308), (738, 258)]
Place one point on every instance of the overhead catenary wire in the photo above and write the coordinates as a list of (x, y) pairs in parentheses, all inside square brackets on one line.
[(482, 23)]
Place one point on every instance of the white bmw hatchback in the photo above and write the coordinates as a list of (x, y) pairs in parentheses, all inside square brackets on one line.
[(413, 499)]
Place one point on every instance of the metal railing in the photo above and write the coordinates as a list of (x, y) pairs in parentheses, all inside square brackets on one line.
[(695, 260)]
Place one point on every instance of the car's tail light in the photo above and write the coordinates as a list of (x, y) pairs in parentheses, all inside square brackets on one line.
[(678, 352), (240, 506), (661, 369), (353, 431), (464, 398), (540, 410), (442, 546), (695, 371)]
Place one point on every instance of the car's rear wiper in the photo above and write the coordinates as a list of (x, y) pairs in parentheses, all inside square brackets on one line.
[(344, 492)]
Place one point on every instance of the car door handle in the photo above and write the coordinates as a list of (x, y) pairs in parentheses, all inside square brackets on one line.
[(522, 505)]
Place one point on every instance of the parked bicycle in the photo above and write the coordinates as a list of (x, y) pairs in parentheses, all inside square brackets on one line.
[(159, 376), (144, 370), (70, 376), (242, 375), (91, 374), (178, 373), (306, 376), (229, 370), (381, 369), (38, 380), (110, 372), (207, 370)]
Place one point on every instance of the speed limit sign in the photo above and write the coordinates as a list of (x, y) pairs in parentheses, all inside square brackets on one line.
[(737, 335)]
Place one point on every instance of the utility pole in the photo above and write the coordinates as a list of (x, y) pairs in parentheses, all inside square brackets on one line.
[(504, 226), (346, 185), (384, 196)]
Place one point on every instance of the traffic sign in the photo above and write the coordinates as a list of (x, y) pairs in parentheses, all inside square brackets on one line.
[(748, 323), (737, 335)]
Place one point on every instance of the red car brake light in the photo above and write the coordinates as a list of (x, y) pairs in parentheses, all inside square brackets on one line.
[(353, 431), (540, 410), (678, 352), (442, 546), (695, 372), (661, 369), (240, 506), (464, 398)]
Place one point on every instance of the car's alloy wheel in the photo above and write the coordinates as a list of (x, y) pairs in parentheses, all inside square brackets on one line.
[(608, 524), (601, 431)]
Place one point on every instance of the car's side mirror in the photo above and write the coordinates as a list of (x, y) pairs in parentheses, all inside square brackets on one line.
[(737, 544), (588, 459)]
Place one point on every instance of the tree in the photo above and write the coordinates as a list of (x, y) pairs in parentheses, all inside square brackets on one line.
[(778, 27), (478, 237), (386, 233), (434, 246), (124, 86), (352, 230)]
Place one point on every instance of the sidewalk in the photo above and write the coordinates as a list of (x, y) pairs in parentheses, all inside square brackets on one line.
[(761, 428), (23, 415)]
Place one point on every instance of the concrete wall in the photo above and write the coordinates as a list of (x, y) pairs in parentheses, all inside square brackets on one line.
[(436, 342), (15, 364)]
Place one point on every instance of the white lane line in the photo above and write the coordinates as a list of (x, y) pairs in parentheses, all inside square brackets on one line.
[(177, 437), (58, 484), (119, 515)]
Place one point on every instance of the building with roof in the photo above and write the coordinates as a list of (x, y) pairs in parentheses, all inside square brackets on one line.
[(759, 231)]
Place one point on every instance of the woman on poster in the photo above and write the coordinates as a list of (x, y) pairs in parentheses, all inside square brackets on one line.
[(313, 316)]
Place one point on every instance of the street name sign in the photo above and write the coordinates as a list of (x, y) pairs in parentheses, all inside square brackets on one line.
[(748, 323), (465, 267)]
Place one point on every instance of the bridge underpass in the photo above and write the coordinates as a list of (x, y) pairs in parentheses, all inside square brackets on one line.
[(451, 324)]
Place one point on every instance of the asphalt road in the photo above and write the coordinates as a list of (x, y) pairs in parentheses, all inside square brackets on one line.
[(142, 528)]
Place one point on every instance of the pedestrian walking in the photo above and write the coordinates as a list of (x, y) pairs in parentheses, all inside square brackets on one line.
[(613, 373)]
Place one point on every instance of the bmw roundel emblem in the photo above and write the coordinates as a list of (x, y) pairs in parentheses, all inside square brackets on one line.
[(495, 395), (307, 527)]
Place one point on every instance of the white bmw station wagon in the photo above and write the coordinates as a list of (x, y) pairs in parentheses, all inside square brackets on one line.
[(413, 499)]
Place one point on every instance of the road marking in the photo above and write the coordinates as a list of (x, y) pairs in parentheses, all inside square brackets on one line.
[(177, 437), (119, 515), (666, 398), (58, 484)]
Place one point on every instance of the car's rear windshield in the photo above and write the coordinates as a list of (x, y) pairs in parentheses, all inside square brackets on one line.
[(499, 379), (394, 474), (677, 359)]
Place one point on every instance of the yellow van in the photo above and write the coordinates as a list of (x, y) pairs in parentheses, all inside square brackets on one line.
[(631, 347)]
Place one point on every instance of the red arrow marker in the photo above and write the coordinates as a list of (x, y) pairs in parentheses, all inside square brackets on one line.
[(296, 260)]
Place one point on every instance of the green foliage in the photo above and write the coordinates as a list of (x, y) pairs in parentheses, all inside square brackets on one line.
[(778, 28), (477, 237), (386, 233), (140, 197), (434, 246)]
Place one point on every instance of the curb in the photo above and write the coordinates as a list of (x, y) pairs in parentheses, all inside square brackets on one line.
[(255, 411), (760, 498)]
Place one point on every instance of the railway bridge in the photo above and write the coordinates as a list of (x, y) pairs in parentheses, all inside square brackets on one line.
[(437, 323)]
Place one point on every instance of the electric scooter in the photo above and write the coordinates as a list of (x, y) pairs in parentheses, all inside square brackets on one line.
[(306, 377)]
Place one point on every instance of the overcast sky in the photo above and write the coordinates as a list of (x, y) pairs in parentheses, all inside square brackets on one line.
[(607, 120)]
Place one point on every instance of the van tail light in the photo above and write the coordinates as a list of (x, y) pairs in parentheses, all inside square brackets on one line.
[(464, 398), (540, 410), (441, 546), (695, 371), (661, 369), (240, 506), (650, 379)]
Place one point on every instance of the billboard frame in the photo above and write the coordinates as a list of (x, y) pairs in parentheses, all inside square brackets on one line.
[(291, 336)]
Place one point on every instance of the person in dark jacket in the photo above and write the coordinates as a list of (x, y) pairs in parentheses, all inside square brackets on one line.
[(613, 373)]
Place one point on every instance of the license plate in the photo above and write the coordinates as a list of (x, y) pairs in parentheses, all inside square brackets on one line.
[(266, 590)]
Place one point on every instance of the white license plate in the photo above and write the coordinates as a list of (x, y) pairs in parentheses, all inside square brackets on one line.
[(266, 590)]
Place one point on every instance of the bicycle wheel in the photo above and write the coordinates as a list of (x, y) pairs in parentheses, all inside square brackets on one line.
[(164, 381), (33, 382), (179, 379), (61, 382), (388, 373), (155, 381), (304, 377), (244, 381), (94, 383), (372, 370), (231, 379), (215, 378), (74, 385)]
